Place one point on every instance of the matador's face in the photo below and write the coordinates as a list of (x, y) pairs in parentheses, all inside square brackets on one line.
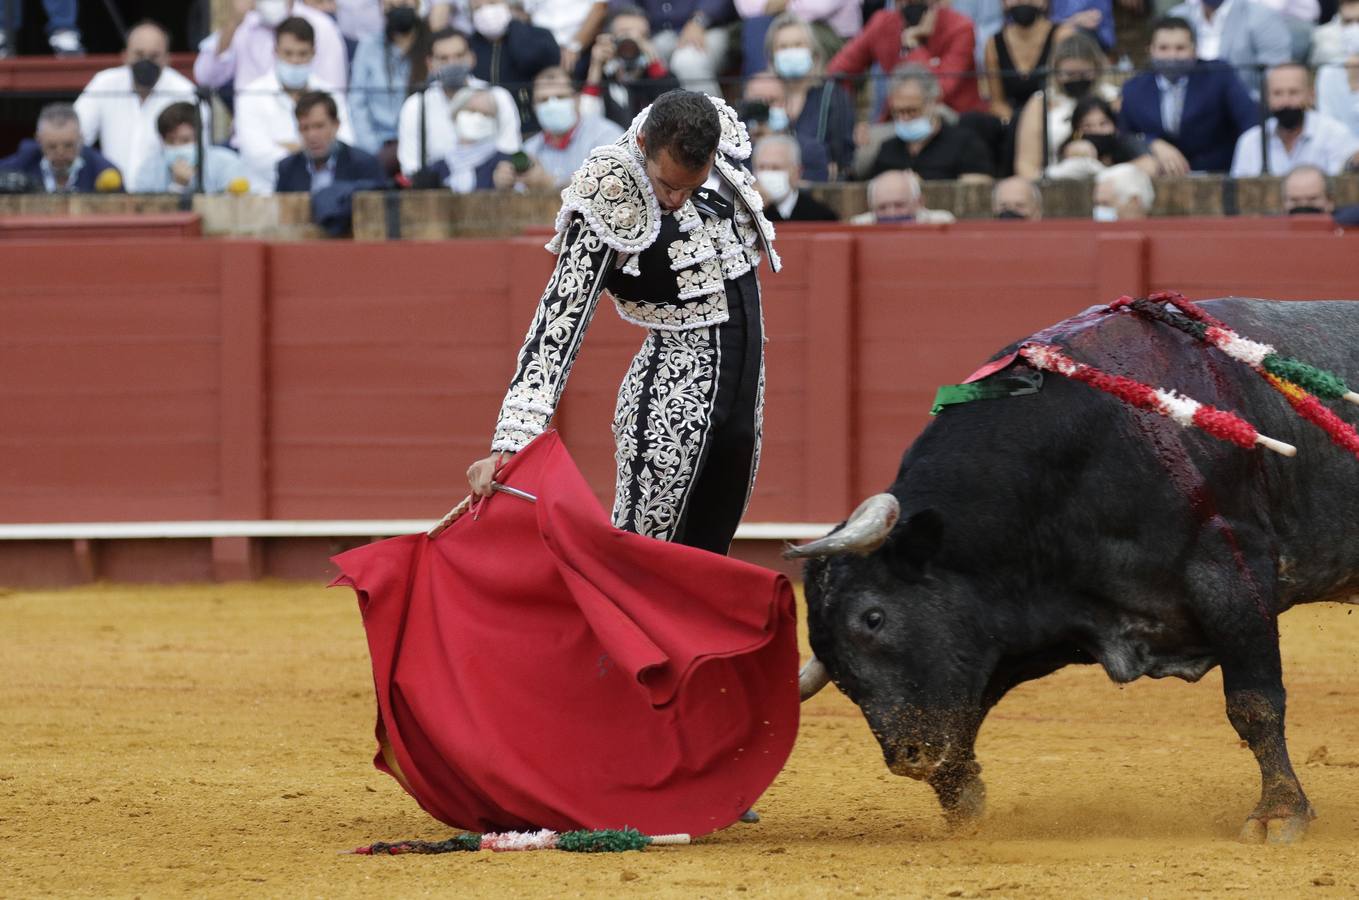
[(672, 181)]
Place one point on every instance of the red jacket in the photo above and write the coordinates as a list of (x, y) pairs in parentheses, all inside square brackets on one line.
[(949, 54)]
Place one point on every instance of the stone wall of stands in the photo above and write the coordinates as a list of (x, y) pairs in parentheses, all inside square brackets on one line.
[(173, 378)]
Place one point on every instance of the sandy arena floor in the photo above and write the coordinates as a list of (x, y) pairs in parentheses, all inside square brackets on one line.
[(215, 741)]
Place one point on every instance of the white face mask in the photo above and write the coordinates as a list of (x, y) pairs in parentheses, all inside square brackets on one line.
[(272, 12), (473, 127), (776, 183), (492, 20), (1349, 37), (1106, 214)]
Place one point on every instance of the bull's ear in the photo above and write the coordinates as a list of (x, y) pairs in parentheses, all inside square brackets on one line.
[(914, 543)]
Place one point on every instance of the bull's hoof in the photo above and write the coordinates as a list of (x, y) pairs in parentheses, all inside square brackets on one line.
[(1282, 829), (965, 813)]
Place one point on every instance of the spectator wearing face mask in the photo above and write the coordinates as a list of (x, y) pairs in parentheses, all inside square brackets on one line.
[(1190, 113), (923, 142), (567, 136), (1018, 199), (1338, 84), (266, 123), (242, 51), (1241, 33), (1297, 134), (510, 50), (1123, 193), (895, 198), (1094, 122), (832, 23), (1306, 191), (387, 67), (929, 34), (817, 112), (58, 160), (173, 169), (1077, 70), (1338, 39), (764, 110), (119, 107), (471, 163), (425, 132), (626, 72), (778, 177), (1017, 56)]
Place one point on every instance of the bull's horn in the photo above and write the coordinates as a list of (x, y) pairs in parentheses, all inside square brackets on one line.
[(866, 531), (812, 679)]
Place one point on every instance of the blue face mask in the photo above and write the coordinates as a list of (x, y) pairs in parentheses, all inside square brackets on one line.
[(778, 118), (793, 62), (557, 115), (181, 153), (888, 220), (913, 130), (292, 75)]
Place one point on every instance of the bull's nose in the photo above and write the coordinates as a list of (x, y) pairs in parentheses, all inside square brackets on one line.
[(913, 760)]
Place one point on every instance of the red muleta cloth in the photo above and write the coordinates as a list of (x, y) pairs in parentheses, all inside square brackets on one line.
[(536, 667)]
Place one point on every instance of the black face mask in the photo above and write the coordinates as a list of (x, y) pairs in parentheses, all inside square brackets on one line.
[(401, 20), (145, 73), (1105, 144), (1078, 88), (1290, 117), (1306, 211), (1023, 15), (1010, 214), (913, 13)]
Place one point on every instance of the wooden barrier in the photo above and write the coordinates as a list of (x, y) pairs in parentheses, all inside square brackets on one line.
[(239, 380)]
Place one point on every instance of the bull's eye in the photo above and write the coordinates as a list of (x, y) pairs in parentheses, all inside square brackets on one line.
[(873, 619)]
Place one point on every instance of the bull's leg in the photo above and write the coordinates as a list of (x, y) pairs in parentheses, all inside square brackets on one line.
[(961, 792), (1257, 713)]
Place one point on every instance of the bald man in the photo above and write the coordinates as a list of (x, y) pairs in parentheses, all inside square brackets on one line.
[(119, 107), (1017, 198)]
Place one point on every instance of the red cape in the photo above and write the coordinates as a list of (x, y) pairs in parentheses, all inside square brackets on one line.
[(536, 667)]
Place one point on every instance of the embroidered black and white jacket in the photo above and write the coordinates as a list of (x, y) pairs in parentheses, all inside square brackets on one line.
[(664, 272)]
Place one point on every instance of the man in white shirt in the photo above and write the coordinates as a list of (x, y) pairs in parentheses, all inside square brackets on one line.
[(556, 152), (242, 50), (426, 120), (118, 108), (1297, 134), (1242, 33), (266, 125)]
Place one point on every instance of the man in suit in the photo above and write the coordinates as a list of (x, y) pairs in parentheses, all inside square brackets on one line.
[(58, 159), (1189, 112), (778, 174), (323, 160), (1241, 33), (331, 170)]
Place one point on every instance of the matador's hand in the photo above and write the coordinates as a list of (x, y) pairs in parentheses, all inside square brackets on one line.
[(482, 472)]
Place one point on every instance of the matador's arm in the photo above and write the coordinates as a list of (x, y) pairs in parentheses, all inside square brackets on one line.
[(564, 313)]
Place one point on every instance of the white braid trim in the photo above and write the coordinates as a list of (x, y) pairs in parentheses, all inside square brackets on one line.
[(1252, 353), (1177, 406)]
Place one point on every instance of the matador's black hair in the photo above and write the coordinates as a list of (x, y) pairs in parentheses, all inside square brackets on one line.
[(685, 123)]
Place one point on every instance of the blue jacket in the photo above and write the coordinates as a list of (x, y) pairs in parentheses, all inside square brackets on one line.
[(28, 160), (351, 164), (1217, 109)]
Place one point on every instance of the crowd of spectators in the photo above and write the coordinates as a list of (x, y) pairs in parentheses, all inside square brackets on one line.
[(330, 97)]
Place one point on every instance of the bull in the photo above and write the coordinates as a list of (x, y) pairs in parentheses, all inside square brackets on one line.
[(1029, 533)]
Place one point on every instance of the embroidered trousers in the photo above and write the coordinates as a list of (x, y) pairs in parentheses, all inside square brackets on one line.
[(687, 427)]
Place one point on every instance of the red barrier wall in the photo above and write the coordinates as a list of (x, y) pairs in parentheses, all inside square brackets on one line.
[(144, 380)]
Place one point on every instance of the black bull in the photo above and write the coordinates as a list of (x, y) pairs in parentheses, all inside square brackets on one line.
[(1066, 527)]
